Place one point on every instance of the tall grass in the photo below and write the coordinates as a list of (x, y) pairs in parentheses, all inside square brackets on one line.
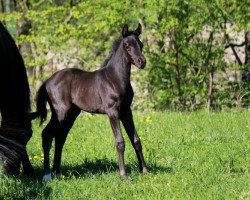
[(190, 156)]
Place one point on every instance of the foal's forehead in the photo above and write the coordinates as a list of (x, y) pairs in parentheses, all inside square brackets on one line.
[(133, 40)]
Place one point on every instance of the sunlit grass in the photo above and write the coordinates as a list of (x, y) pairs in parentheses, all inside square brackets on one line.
[(190, 156)]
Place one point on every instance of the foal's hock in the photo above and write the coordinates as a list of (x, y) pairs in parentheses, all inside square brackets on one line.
[(106, 91)]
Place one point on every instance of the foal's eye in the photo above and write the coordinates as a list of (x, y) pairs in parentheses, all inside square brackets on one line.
[(128, 48)]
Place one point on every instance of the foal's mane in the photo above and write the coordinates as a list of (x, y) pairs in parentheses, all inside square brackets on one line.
[(114, 48)]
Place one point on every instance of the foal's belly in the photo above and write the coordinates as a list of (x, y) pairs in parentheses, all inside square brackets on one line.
[(95, 110), (89, 102), (97, 95), (101, 104)]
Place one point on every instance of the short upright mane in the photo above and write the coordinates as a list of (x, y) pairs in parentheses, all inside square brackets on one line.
[(114, 48)]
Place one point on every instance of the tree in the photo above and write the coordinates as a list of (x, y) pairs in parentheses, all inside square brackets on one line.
[(185, 44)]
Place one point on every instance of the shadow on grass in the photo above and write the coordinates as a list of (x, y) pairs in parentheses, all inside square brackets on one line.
[(104, 166), (155, 169), (99, 166), (22, 187)]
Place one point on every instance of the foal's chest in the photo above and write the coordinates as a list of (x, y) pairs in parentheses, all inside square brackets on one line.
[(128, 96)]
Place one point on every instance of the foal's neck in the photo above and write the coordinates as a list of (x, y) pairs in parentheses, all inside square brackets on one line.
[(120, 65)]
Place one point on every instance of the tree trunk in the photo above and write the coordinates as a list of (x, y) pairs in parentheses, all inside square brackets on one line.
[(178, 84), (247, 47), (23, 28), (7, 6), (210, 90), (1, 7), (178, 79)]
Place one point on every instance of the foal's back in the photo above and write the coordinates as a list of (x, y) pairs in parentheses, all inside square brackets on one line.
[(84, 89)]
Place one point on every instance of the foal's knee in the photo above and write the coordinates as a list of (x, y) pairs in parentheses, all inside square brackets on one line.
[(120, 146), (138, 145)]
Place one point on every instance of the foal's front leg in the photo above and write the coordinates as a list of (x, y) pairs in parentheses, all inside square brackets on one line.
[(128, 123), (120, 144)]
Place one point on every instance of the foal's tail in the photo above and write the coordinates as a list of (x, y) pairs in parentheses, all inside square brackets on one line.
[(40, 105)]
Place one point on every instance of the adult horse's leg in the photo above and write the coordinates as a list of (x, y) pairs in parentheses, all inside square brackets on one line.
[(14, 168), (27, 167), (61, 136), (128, 123), (47, 137), (120, 144)]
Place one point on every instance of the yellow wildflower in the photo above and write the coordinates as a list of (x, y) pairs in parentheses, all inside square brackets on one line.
[(148, 119), (90, 115)]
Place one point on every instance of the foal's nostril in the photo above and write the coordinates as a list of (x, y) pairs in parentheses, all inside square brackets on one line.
[(139, 61), (143, 61)]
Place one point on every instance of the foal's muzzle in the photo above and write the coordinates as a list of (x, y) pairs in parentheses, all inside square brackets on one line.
[(141, 62)]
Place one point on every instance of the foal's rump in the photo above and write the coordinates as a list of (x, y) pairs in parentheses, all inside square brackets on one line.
[(54, 91), (67, 89), (75, 87)]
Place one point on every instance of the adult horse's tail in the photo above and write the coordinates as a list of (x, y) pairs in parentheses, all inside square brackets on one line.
[(40, 105)]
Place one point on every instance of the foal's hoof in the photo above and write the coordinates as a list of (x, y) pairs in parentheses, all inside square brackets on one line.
[(56, 174), (144, 170), (47, 177), (124, 177)]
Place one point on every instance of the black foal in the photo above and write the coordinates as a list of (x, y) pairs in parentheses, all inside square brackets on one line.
[(106, 91)]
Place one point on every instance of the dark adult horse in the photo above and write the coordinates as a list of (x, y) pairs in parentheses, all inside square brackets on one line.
[(15, 130), (105, 91)]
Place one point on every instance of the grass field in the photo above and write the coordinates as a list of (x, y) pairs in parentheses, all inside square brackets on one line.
[(190, 156)]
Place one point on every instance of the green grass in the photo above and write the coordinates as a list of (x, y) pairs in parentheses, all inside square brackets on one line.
[(190, 156)]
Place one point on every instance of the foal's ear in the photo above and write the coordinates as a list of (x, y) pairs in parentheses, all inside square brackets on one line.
[(125, 30), (138, 30)]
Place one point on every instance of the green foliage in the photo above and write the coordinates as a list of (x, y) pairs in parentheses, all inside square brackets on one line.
[(197, 155), (180, 59)]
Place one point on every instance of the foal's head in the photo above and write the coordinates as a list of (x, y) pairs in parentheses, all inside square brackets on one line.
[(133, 46)]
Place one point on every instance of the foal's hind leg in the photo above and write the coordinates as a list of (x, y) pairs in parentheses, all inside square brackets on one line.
[(61, 136), (128, 123), (120, 145), (47, 137)]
